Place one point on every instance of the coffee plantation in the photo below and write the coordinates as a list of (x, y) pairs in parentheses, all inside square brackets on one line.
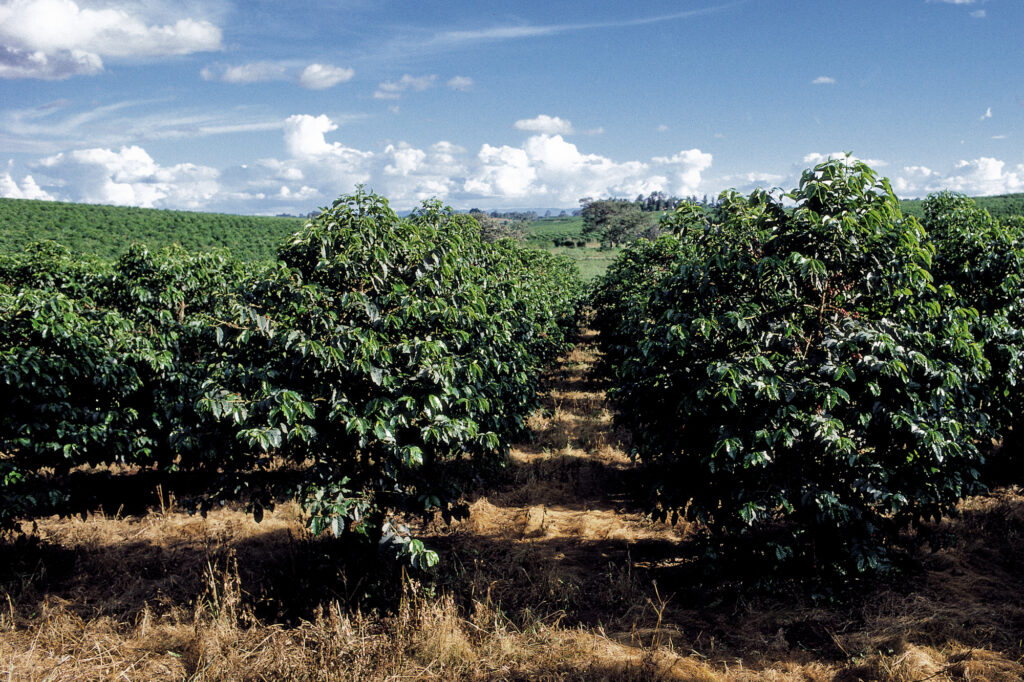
[(378, 367), (810, 376)]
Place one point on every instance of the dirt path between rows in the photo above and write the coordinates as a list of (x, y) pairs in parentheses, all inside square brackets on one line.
[(568, 489)]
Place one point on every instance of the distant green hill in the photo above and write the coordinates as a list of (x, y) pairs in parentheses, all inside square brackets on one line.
[(1000, 206), (564, 235), (108, 231), (545, 232)]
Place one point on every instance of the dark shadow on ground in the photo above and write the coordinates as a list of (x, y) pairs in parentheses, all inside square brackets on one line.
[(281, 577), (637, 591), (572, 481)]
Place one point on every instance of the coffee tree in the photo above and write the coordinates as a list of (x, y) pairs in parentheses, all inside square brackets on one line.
[(621, 296), (397, 358), (103, 364), (798, 383), (982, 263), (380, 366)]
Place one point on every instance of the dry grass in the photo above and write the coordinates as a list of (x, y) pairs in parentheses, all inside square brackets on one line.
[(555, 576)]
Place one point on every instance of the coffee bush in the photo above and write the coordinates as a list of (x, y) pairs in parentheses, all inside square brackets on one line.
[(797, 382)]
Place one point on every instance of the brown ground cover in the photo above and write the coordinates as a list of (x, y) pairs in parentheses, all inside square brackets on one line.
[(556, 575)]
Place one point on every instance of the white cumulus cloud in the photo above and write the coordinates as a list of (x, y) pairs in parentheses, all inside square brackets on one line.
[(747, 182), (302, 194), (411, 175), (53, 39), (503, 171), (688, 166), (976, 177), (316, 166), (405, 159), (336, 167), (304, 138), (323, 76), (128, 177), (814, 158), (548, 169), (15, 63), (547, 125), (27, 189)]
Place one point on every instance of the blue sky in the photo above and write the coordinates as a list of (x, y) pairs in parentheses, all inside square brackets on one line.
[(267, 107)]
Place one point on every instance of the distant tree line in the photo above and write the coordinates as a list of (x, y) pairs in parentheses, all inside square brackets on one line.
[(493, 228), (619, 221), (517, 216)]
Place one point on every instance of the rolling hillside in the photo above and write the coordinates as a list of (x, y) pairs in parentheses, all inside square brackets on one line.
[(108, 231), (1001, 206)]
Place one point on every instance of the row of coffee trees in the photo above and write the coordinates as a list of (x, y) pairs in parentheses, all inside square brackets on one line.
[(378, 366), (813, 375)]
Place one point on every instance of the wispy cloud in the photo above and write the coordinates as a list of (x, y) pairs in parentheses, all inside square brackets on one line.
[(978, 14), (495, 33), (254, 72), (458, 38), (987, 114), (312, 76), (45, 123), (461, 83), (394, 89), (219, 129), (126, 122), (824, 80)]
